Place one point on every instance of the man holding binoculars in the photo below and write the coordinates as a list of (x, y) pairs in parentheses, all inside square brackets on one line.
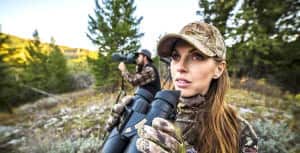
[(146, 75), (146, 78)]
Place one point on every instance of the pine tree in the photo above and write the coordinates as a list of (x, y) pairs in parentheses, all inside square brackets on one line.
[(113, 29), (217, 12), (35, 71), (3, 65), (4, 74), (46, 69), (8, 83), (59, 78)]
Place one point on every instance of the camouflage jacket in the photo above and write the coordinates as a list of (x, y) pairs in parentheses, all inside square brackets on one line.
[(187, 121)]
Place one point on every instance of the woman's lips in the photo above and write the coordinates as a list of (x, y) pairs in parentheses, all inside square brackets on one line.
[(182, 83)]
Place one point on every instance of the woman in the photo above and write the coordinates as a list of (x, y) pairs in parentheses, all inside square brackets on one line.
[(207, 123)]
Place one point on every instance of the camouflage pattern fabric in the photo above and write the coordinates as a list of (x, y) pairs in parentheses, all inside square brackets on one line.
[(192, 110), (203, 36), (248, 139), (116, 112), (209, 36), (189, 110), (161, 137)]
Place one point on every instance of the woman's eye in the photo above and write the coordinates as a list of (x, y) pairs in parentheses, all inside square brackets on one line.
[(197, 56), (175, 56)]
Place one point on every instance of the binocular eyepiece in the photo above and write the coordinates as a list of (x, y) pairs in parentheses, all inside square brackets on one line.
[(142, 110)]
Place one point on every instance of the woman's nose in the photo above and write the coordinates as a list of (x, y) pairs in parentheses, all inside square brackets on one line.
[(181, 66)]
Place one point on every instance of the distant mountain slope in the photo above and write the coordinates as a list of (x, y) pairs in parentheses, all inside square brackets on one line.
[(20, 44)]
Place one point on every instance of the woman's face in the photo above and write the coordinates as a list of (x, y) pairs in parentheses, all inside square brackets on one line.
[(191, 71)]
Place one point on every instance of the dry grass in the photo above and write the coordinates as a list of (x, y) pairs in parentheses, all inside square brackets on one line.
[(85, 124)]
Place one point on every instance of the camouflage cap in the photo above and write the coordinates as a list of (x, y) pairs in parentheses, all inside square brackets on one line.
[(205, 37)]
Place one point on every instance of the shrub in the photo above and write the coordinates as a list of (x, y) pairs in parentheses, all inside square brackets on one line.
[(88, 145), (275, 137), (261, 86), (81, 145), (81, 80)]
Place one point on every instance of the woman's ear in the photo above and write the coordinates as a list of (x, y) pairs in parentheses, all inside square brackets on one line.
[(219, 69)]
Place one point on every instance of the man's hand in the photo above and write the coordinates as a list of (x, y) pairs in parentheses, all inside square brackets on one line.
[(117, 110), (122, 67), (161, 137)]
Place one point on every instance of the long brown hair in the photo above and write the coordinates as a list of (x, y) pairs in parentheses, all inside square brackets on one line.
[(219, 131)]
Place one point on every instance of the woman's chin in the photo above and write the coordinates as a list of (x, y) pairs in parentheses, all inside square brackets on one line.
[(187, 93)]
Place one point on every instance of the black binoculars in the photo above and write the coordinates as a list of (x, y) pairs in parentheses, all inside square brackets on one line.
[(142, 110), (126, 58)]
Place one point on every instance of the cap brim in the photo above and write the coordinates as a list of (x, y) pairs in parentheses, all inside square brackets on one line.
[(166, 44)]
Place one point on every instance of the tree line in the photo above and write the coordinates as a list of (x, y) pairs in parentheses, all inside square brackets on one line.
[(262, 40), (43, 68), (262, 37)]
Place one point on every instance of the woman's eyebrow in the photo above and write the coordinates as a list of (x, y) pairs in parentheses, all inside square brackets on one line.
[(195, 50), (192, 50)]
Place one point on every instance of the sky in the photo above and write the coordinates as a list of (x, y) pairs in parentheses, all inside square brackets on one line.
[(67, 20)]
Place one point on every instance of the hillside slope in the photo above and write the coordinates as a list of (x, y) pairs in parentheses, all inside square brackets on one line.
[(19, 44), (76, 121)]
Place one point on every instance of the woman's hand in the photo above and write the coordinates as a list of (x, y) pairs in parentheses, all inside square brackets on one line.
[(161, 137), (117, 110)]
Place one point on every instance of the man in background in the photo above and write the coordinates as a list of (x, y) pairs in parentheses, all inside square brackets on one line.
[(146, 75)]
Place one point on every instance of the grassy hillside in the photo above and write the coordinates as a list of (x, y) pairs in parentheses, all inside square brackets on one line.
[(75, 54)]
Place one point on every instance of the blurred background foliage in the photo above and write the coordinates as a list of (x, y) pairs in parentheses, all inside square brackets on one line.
[(263, 38)]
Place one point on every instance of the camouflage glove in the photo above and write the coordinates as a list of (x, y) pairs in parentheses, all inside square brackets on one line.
[(161, 137), (117, 110)]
